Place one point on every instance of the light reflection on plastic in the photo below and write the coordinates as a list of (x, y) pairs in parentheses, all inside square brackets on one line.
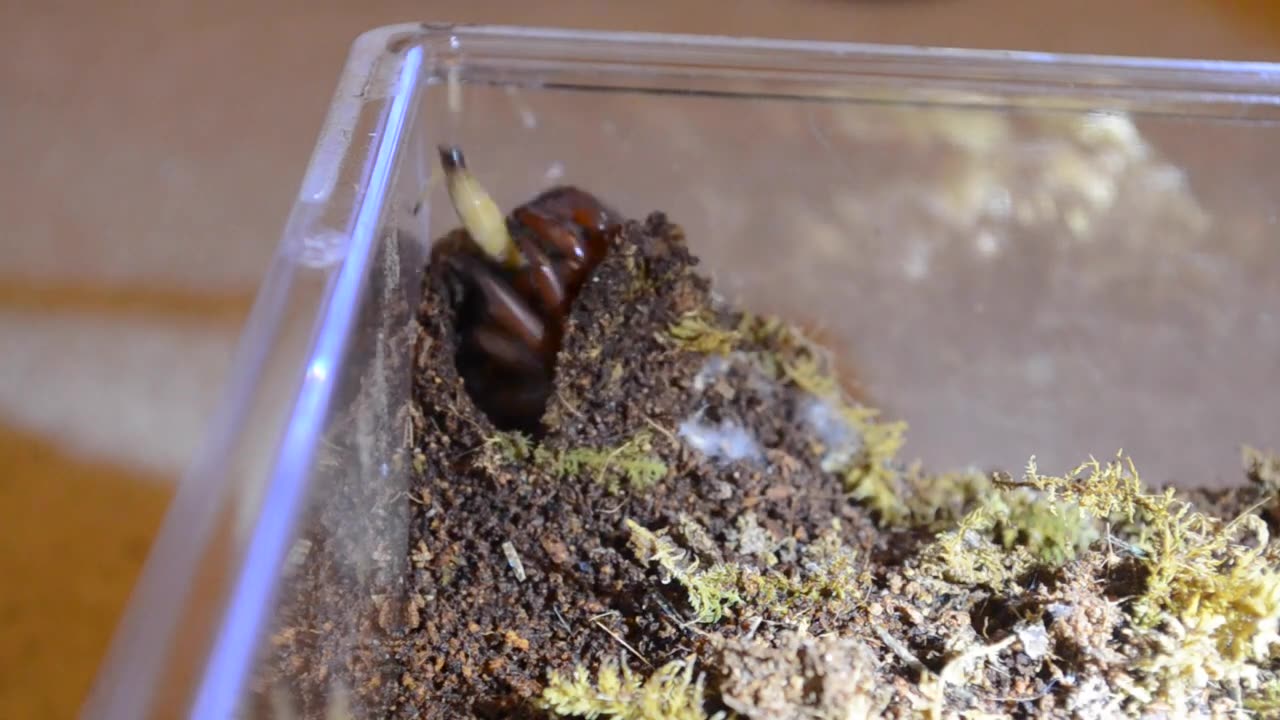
[(235, 647), (319, 371)]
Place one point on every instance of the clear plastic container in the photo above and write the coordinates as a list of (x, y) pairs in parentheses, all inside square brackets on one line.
[(1019, 254)]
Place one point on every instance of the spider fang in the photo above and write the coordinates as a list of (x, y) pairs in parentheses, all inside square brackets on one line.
[(478, 212)]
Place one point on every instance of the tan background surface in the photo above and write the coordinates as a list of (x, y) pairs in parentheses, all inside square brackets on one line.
[(148, 156)]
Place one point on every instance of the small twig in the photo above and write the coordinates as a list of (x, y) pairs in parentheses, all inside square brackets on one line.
[(564, 623), (674, 618), (572, 410), (1126, 546), (687, 625), (622, 642), (666, 607), (899, 649), (665, 432), (692, 626), (933, 686), (469, 451), (1249, 511)]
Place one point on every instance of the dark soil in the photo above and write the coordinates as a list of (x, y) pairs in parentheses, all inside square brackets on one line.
[(516, 565)]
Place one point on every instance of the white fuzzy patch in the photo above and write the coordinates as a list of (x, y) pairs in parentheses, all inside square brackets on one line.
[(715, 367), (841, 440), (725, 441)]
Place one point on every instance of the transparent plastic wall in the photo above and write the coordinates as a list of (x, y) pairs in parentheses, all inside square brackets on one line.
[(1017, 254)]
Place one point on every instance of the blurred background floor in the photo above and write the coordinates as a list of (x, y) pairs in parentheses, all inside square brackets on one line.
[(148, 154)]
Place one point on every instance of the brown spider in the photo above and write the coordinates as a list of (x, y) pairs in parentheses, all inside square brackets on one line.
[(513, 282)]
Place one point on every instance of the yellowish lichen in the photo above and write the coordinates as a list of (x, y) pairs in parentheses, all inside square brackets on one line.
[(670, 693), (1193, 559)]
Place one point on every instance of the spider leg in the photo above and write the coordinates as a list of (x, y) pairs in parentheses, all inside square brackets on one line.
[(551, 230), (546, 280), (597, 243), (479, 213), (502, 304), (594, 219), (505, 349), (574, 204)]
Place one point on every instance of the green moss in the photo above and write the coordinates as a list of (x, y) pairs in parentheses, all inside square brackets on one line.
[(1051, 531), (631, 465), (1105, 492), (1192, 558), (872, 477), (1007, 534), (670, 693), (697, 332), (509, 447), (1210, 609), (711, 591), (968, 555), (831, 581)]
